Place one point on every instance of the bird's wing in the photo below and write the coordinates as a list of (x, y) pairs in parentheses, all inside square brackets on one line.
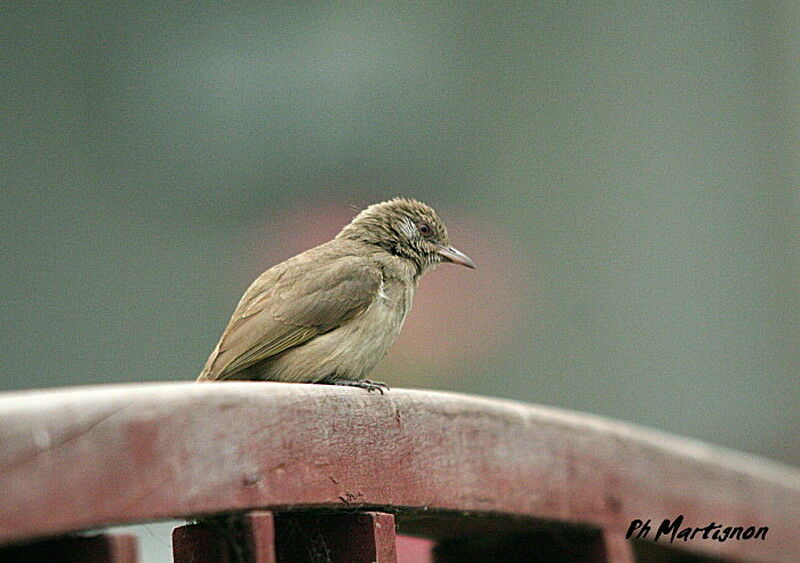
[(289, 304)]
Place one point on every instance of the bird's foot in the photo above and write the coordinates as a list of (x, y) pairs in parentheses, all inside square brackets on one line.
[(370, 386)]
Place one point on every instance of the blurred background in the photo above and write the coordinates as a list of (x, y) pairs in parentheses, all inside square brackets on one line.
[(625, 176)]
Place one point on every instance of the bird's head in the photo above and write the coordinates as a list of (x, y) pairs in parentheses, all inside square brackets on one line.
[(406, 228)]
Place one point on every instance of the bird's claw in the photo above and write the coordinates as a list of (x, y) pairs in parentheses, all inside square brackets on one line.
[(371, 386), (367, 384)]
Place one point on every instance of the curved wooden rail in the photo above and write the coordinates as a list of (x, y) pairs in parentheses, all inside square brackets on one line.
[(97, 456)]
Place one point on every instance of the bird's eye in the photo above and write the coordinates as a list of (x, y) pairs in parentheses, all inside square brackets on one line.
[(424, 229)]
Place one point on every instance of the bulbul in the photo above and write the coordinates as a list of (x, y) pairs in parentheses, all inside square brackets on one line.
[(330, 314)]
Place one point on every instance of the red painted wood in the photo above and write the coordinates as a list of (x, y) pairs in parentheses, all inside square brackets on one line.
[(414, 550), (362, 537), (612, 547), (89, 457), (101, 548), (249, 536), (259, 527), (198, 543), (260, 537)]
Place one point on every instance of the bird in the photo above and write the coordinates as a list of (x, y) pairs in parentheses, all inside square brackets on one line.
[(329, 314)]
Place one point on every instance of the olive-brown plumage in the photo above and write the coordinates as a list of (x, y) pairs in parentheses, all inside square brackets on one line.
[(330, 314)]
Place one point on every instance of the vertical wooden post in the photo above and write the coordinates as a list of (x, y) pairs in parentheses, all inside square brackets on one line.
[(261, 537), (362, 537), (199, 543), (418, 550), (248, 539), (612, 547)]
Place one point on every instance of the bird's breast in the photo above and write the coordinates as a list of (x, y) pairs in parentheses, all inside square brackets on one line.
[(351, 350), (372, 333)]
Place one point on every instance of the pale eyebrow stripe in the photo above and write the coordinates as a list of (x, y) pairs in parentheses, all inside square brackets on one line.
[(408, 228)]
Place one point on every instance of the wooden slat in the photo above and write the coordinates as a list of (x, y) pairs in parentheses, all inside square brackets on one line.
[(261, 537), (612, 547), (364, 537), (200, 543), (414, 550), (89, 457), (249, 537)]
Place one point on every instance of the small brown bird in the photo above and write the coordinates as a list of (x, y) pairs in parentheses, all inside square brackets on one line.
[(329, 314)]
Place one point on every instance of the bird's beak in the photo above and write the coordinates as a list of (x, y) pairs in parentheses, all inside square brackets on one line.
[(455, 256)]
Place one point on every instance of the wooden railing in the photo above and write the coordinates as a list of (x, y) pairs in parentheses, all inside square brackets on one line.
[(288, 472)]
